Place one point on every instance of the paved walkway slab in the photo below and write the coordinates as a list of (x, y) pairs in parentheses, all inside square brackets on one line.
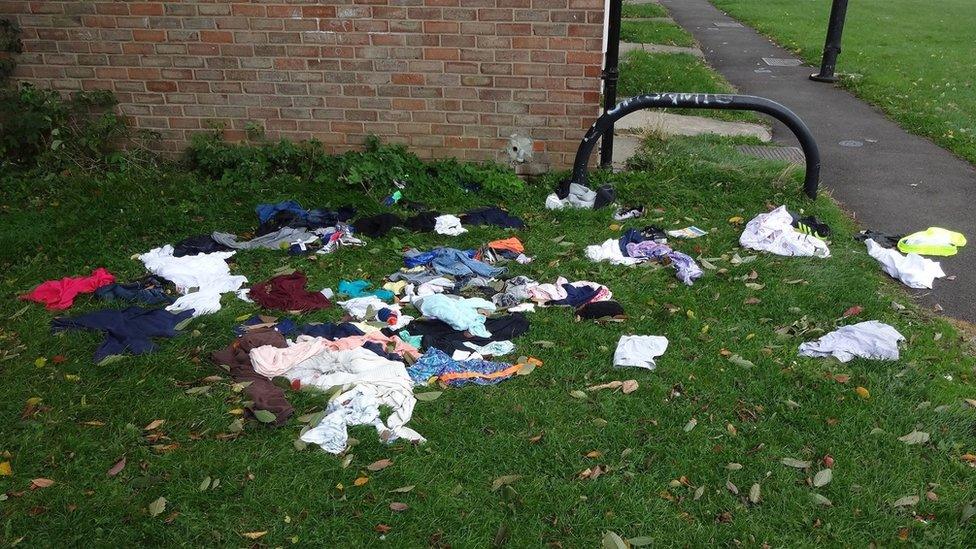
[(627, 47), (888, 179), (679, 124)]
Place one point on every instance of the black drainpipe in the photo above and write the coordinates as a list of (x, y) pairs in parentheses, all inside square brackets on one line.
[(610, 75)]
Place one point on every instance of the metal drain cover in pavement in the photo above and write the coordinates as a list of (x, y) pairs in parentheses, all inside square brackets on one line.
[(781, 62), (793, 155), (728, 24)]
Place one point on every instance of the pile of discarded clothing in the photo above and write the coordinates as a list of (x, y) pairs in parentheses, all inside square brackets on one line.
[(647, 245), (449, 316)]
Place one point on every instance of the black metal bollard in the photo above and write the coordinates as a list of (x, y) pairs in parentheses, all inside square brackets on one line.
[(835, 28), (610, 76)]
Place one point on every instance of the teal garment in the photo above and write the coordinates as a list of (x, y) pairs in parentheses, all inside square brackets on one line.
[(415, 340), (360, 288)]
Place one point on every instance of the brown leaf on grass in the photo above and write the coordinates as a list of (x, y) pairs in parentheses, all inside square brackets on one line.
[(255, 535), (39, 483), (5, 469), (382, 528), (117, 468), (594, 454), (853, 311), (629, 386), (536, 438), (360, 481), (842, 378), (503, 480), (154, 424), (609, 385), (379, 465), (398, 507), (751, 301)]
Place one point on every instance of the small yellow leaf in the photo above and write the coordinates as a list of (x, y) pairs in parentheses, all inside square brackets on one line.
[(593, 454), (71, 377), (690, 313), (33, 401), (736, 220), (361, 481), (862, 392), (254, 535), (40, 362), (236, 412), (5, 469)]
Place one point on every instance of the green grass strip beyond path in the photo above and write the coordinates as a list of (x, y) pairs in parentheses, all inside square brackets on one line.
[(914, 60)]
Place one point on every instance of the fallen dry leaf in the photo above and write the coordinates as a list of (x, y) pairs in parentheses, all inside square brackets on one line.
[(381, 528), (5, 469), (853, 311), (398, 507), (255, 535), (154, 424), (842, 378), (360, 481), (38, 483), (503, 481), (862, 392), (915, 437), (117, 468), (629, 386), (379, 465), (594, 454), (609, 385)]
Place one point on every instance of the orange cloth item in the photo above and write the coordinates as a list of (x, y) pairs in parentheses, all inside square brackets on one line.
[(60, 294), (512, 244), (511, 370)]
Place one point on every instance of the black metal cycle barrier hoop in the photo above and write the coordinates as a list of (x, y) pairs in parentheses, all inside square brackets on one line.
[(697, 101)]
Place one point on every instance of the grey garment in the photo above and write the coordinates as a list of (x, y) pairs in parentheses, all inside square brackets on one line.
[(504, 301), (871, 340), (419, 277), (272, 241), (518, 287)]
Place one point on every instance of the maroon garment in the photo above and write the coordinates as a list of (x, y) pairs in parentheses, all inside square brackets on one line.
[(265, 394), (288, 293)]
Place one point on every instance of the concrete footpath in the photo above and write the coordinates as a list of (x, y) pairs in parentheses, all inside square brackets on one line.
[(888, 179)]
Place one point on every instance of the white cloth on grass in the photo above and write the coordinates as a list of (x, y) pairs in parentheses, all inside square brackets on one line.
[(578, 197), (639, 351), (913, 270), (202, 278), (771, 232), (374, 381), (610, 251), (448, 224), (871, 339), (357, 307)]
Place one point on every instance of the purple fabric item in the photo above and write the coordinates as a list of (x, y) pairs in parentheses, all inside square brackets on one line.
[(647, 249)]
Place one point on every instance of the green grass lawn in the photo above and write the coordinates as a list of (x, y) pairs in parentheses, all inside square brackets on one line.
[(665, 477), (637, 11), (643, 72), (914, 61), (655, 32)]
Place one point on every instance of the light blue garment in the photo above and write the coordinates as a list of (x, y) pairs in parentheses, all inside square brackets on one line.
[(455, 262), (458, 313)]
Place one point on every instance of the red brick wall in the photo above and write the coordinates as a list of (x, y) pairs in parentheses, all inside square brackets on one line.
[(445, 77)]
